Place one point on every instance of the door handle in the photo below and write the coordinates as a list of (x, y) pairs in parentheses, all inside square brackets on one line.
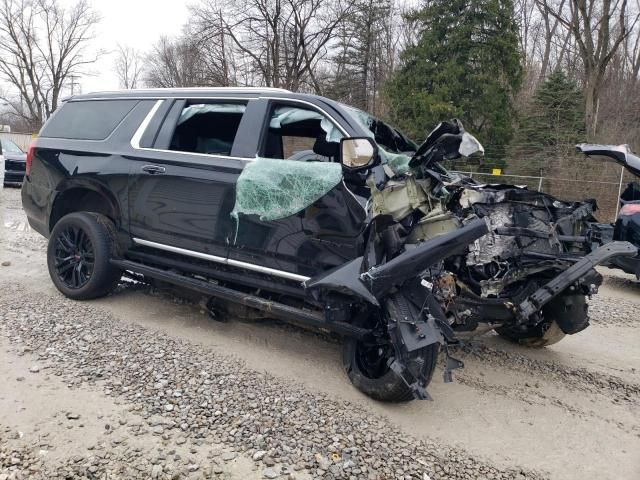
[(153, 169)]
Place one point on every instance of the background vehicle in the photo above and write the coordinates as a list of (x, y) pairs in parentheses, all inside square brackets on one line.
[(312, 212), (627, 225), (14, 162)]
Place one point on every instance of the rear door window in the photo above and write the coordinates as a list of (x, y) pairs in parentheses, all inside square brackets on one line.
[(207, 128), (87, 120)]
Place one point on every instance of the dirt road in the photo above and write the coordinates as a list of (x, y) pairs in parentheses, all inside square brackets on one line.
[(144, 384)]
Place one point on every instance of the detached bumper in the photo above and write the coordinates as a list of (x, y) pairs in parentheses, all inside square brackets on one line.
[(574, 274)]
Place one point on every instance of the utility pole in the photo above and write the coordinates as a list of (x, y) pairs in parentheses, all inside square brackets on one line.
[(74, 83)]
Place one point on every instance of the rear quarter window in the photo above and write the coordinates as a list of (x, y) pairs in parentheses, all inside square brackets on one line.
[(87, 120)]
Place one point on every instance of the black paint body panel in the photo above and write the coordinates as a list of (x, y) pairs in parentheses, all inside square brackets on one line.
[(324, 235), (189, 205)]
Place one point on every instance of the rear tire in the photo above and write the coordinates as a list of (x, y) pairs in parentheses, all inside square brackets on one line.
[(367, 365), (80, 249)]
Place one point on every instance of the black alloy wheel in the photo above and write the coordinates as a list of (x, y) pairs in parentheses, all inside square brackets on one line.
[(373, 359), (79, 255), (74, 257)]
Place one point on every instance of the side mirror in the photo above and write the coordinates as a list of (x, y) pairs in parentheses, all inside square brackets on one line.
[(357, 153)]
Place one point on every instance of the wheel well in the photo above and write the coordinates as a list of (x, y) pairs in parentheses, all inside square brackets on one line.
[(81, 200)]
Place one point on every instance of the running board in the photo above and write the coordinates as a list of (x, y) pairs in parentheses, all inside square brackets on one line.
[(278, 310)]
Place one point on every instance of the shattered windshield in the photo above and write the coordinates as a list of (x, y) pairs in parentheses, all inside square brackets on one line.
[(395, 147), (386, 136)]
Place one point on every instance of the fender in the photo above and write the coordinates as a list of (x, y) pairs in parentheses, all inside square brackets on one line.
[(88, 184)]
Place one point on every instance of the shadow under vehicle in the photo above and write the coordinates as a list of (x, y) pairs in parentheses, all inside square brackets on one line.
[(313, 212)]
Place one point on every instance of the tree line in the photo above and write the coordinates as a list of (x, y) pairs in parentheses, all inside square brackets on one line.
[(529, 77)]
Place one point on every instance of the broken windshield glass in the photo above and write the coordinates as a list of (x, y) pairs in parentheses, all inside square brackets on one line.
[(284, 115), (193, 110), (386, 136), (398, 162), (394, 147), (274, 189)]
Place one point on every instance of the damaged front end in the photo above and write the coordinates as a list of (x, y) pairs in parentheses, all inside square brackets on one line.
[(462, 254), (438, 256), (413, 318)]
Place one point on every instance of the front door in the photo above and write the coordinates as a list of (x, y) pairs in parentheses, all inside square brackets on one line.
[(323, 234)]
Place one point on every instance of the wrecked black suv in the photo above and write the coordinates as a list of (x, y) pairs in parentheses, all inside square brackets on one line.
[(313, 212)]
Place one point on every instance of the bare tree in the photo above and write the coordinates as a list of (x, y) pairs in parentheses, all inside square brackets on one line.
[(128, 66), (276, 43), (42, 45), (174, 63), (552, 28), (216, 53), (632, 50), (598, 28)]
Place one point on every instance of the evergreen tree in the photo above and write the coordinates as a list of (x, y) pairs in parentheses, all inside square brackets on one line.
[(550, 126), (465, 64), (359, 54)]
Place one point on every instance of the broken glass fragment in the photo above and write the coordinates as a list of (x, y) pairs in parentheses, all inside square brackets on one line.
[(288, 115), (398, 162), (274, 189), (200, 108)]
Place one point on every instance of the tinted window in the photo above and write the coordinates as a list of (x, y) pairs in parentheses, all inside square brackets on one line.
[(90, 120), (208, 128)]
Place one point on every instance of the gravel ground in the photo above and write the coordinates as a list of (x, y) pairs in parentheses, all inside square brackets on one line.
[(614, 388), (187, 393), (619, 313)]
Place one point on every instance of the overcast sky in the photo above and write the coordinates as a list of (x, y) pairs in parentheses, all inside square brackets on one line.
[(137, 23)]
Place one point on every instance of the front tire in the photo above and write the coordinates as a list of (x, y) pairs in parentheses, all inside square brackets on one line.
[(564, 314), (542, 335), (80, 249), (367, 364)]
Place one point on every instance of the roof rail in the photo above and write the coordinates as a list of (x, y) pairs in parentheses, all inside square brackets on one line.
[(210, 89)]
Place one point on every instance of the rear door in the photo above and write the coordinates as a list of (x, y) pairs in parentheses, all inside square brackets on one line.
[(182, 187)]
